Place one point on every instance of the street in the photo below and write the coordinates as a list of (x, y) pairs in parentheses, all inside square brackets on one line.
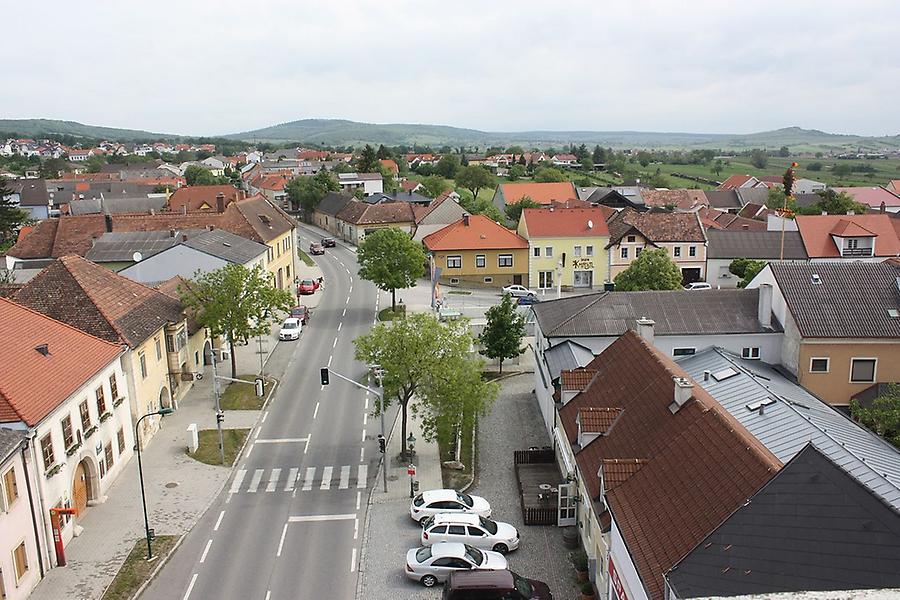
[(287, 525)]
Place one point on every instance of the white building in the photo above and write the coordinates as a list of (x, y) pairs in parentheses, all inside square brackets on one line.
[(370, 183), (20, 570)]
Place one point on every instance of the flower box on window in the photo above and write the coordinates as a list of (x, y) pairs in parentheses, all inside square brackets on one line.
[(90, 431), (52, 471), (118, 401), (105, 416), (73, 448)]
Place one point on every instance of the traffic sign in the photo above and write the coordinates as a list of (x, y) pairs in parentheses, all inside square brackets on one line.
[(411, 470)]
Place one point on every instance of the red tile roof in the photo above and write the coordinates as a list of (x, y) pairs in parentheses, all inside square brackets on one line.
[(871, 196), (409, 186), (270, 182), (616, 471), (734, 181), (576, 379), (33, 385), (657, 226), (475, 232), (202, 197), (713, 218), (894, 185), (683, 199), (816, 232), (598, 419), (361, 213), (565, 222), (542, 193), (390, 164)]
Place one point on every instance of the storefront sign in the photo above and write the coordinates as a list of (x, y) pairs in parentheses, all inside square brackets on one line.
[(617, 587), (582, 263)]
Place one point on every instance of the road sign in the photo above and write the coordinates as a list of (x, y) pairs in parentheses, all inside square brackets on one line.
[(411, 470)]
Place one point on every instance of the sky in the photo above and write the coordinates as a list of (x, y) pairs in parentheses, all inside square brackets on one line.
[(198, 67)]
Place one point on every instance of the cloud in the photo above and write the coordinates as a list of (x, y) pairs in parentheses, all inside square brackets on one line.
[(201, 67)]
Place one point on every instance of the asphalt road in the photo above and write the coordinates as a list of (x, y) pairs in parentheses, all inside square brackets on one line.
[(288, 523)]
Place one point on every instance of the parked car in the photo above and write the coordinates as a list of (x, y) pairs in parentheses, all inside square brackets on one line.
[(494, 585), (300, 312), (433, 564), (470, 529), (316, 248), (698, 285), (517, 291), (290, 329), (528, 300), (307, 287), (432, 502), (328, 242)]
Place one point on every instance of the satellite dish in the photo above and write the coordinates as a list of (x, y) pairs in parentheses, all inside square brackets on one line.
[(137, 256)]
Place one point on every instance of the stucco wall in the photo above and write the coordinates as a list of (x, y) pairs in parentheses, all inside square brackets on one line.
[(16, 526), (834, 386)]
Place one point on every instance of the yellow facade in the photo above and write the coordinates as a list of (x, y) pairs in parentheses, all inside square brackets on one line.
[(689, 256), (483, 266), (147, 372), (582, 262), (280, 261), (833, 384)]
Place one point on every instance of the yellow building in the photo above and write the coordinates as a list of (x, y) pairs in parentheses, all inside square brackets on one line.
[(261, 221), (476, 250), (566, 246)]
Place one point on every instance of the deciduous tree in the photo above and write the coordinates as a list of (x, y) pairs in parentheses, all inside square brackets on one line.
[(307, 192), (746, 269), (391, 260), (549, 175), (434, 185), (759, 158), (514, 210), (503, 333), (367, 162), (883, 416), (473, 178), (11, 216), (447, 166), (652, 270)]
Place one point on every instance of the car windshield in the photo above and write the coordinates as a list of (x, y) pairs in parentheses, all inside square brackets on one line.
[(474, 554), (427, 522), (306, 282), (290, 325), (465, 499), (419, 500), (491, 526), (423, 553), (522, 586)]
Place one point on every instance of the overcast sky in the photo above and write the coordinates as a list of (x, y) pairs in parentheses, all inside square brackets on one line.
[(211, 67)]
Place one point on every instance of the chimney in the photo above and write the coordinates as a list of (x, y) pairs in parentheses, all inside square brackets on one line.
[(171, 233), (684, 389), (765, 305), (706, 375), (183, 237), (466, 220), (883, 208), (745, 226), (107, 218), (220, 202), (645, 328)]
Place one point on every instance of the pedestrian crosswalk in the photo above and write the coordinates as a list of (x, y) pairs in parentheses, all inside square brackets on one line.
[(254, 481)]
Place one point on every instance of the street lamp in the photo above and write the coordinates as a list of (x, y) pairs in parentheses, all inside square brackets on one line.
[(410, 441), (137, 442)]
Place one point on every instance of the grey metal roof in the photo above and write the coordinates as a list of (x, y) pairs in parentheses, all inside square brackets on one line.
[(759, 195), (675, 313), (810, 528), (333, 203), (141, 204), (758, 245), (723, 199), (567, 356), (120, 246), (796, 418), (10, 441), (851, 300), (225, 245)]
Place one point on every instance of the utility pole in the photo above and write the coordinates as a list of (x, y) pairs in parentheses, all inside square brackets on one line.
[(220, 416)]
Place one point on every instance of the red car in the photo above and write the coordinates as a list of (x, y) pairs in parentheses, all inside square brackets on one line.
[(300, 312), (307, 287)]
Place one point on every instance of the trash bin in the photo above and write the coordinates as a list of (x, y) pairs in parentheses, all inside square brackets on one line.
[(609, 286), (570, 537)]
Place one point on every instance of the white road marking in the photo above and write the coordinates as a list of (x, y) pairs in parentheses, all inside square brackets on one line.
[(205, 551), (281, 543), (306, 447), (307, 482), (316, 518), (326, 478), (364, 435), (268, 594), (322, 389), (316, 412), (365, 418), (219, 521), (367, 400), (265, 414), (361, 480), (190, 587), (273, 480), (254, 483), (256, 433), (358, 498), (348, 300), (362, 453), (330, 358), (291, 480), (249, 450), (334, 345), (282, 440), (344, 314), (341, 324), (348, 270), (345, 478), (235, 486), (353, 560), (355, 528)]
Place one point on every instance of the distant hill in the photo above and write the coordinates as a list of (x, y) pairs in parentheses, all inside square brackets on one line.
[(36, 128)]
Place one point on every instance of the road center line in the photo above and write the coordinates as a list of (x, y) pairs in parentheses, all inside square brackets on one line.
[(268, 594), (358, 498), (190, 586), (334, 345), (362, 452), (344, 314), (282, 440), (316, 412), (330, 358), (355, 528), (364, 435), (219, 521), (306, 448), (365, 418), (205, 551), (341, 324), (315, 518), (353, 560), (265, 414), (281, 543), (249, 450)]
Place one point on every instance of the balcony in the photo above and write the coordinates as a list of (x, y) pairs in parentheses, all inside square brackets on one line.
[(857, 252)]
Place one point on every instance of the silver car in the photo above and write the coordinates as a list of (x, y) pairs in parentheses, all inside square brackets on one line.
[(433, 564), (470, 529)]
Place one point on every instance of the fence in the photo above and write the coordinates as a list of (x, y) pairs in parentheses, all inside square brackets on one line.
[(534, 456)]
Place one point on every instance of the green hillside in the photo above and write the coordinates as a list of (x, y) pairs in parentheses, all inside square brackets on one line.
[(36, 128)]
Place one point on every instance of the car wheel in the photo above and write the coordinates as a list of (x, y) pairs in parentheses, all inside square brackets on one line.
[(422, 521), (429, 580), (501, 548)]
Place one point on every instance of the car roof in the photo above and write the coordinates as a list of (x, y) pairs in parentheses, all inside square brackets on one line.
[(438, 495), (448, 549), (461, 580), (461, 518), (291, 320)]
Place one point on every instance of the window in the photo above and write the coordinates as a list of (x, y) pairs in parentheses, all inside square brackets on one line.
[(676, 251), (683, 351), (120, 438), (68, 440), (631, 239), (287, 272), (108, 453), (545, 279), (862, 370), (113, 387), (505, 260), (548, 251), (47, 451), (269, 254), (589, 250), (101, 400), (2, 586), (537, 251), (158, 349), (85, 413), (454, 281), (170, 343), (456, 530), (454, 262), (624, 253), (577, 251), (637, 251), (143, 360), (20, 558), (692, 250), (489, 280), (196, 357), (10, 488), (818, 365), (752, 352), (480, 261)]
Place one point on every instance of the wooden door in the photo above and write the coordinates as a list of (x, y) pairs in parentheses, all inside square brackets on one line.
[(79, 490)]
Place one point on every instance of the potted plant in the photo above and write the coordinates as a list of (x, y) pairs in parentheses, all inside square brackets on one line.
[(580, 562), (587, 591)]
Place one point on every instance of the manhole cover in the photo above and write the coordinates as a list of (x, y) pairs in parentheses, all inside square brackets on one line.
[(171, 484), (392, 478)]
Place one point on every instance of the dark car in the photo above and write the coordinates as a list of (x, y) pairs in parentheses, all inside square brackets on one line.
[(328, 243), (494, 585), (315, 249), (527, 300), (300, 312)]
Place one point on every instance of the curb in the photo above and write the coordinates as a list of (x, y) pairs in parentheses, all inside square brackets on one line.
[(155, 572)]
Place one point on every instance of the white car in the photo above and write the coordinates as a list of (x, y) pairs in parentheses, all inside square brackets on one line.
[(698, 285), (471, 529), (290, 329), (518, 291), (433, 502), (433, 564)]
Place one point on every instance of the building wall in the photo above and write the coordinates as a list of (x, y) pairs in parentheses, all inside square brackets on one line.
[(178, 260), (564, 249), (281, 259), (17, 526), (834, 386), (469, 273), (625, 571), (685, 261), (360, 230), (148, 392)]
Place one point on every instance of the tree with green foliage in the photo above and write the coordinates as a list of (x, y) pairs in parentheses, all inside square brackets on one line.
[(473, 178), (391, 260), (644, 158), (652, 270), (883, 416), (367, 161), (51, 168), (480, 206), (447, 166), (503, 332), (759, 158), (598, 156), (11, 216), (549, 175), (814, 166), (197, 175), (342, 167), (841, 170), (834, 203), (784, 152), (94, 164), (434, 185), (746, 269), (425, 359), (515, 173), (514, 210), (587, 165), (389, 183), (383, 153), (306, 192), (717, 166), (235, 302)]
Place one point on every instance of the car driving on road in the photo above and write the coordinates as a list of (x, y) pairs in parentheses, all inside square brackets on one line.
[(290, 329), (470, 529), (433, 564), (316, 248), (328, 242), (432, 502), (517, 291)]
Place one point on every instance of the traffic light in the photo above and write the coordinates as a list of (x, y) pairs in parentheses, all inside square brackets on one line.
[(260, 387), (324, 374), (382, 444)]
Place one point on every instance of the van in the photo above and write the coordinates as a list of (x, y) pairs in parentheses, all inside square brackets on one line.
[(698, 285), (494, 585)]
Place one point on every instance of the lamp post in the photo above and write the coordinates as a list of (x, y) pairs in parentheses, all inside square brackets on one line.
[(137, 442), (410, 442)]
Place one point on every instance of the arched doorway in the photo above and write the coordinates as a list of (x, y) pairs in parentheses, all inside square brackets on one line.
[(207, 353), (84, 486), (165, 398)]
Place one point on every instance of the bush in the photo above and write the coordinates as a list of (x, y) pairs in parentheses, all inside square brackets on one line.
[(580, 560)]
